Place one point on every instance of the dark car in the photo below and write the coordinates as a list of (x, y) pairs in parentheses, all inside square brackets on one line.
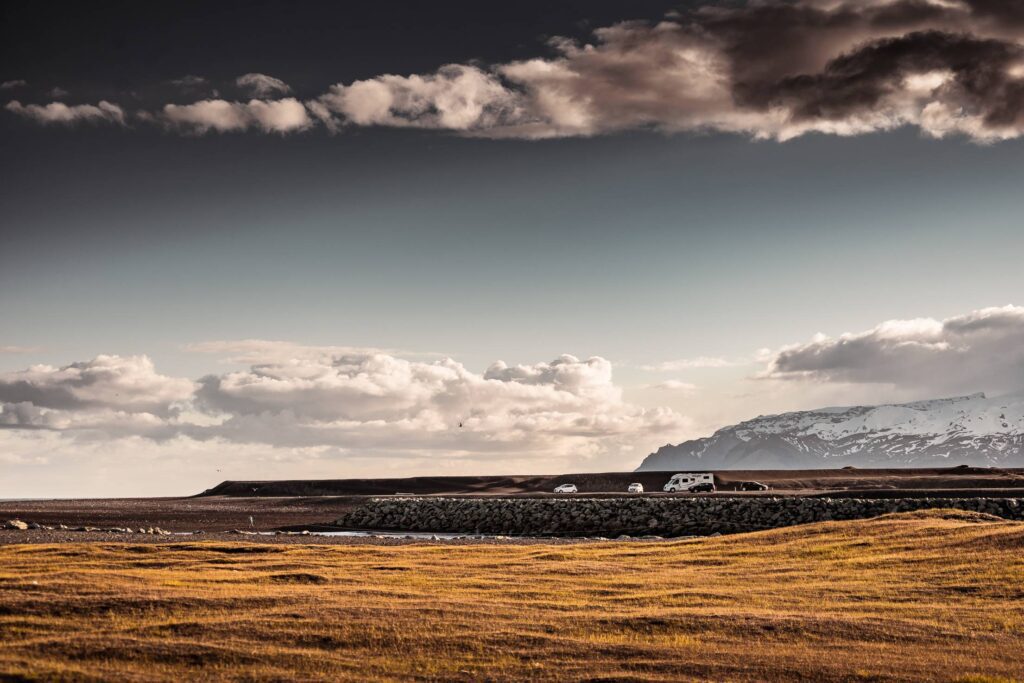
[(753, 486), (706, 487)]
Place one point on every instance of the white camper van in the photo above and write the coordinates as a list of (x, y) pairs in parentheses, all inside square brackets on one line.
[(687, 481)]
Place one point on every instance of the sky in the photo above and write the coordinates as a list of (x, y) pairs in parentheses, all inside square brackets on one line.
[(266, 240)]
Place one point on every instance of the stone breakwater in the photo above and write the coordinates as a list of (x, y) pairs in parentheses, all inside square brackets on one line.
[(640, 516)]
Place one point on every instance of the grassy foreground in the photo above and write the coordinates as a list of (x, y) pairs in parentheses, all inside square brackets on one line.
[(930, 596)]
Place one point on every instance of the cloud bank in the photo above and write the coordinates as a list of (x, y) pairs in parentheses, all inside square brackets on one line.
[(770, 69), (366, 405)]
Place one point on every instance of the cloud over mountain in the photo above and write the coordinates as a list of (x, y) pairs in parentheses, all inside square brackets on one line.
[(979, 351)]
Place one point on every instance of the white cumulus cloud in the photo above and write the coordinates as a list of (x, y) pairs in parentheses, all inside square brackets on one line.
[(379, 400), (116, 394), (456, 97), (58, 112), (271, 116), (122, 382), (379, 406)]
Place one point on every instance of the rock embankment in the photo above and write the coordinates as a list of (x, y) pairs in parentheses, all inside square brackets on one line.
[(660, 516)]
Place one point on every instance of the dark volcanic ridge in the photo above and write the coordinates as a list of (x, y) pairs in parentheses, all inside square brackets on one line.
[(800, 481)]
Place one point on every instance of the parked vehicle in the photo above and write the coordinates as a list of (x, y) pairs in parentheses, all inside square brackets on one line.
[(566, 488), (685, 481), (636, 488), (753, 486), (703, 487)]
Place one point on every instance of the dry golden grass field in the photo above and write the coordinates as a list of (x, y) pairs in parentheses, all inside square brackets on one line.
[(927, 596)]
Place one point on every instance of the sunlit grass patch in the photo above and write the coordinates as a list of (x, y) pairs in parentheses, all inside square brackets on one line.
[(914, 597)]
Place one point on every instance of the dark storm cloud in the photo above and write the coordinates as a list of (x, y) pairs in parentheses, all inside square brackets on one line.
[(772, 69), (861, 80)]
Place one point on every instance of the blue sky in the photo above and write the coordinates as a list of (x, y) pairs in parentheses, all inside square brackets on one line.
[(641, 247)]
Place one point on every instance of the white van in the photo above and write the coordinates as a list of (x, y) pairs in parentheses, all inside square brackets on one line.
[(686, 481)]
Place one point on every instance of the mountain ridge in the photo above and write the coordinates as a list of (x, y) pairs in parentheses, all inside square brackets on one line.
[(971, 430)]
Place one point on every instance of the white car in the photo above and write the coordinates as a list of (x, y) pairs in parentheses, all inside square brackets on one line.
[(566, 488), (636, 488)]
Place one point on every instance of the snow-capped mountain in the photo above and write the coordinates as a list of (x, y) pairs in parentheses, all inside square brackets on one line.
[(968, 430)]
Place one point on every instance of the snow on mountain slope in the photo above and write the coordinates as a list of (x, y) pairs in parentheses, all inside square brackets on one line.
[(970, 430)]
